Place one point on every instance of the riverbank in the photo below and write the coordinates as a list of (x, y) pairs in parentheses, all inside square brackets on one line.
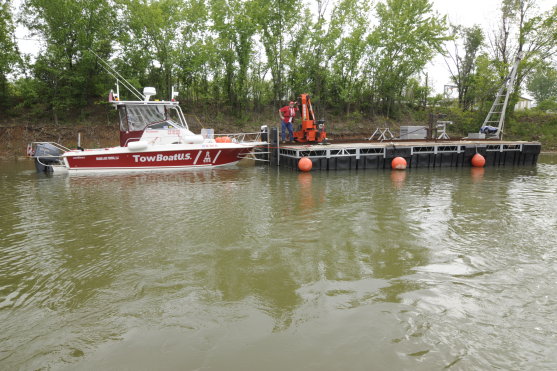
[(100, 129)]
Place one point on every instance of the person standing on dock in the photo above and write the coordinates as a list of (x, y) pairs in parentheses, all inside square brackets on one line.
[(287, 114)]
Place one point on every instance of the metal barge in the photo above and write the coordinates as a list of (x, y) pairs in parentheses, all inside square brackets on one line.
[(416, 146), (418, 154)]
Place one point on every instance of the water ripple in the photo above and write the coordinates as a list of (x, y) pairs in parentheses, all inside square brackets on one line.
[(433, 269)]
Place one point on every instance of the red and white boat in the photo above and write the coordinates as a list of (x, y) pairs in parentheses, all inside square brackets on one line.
[(154, 135)]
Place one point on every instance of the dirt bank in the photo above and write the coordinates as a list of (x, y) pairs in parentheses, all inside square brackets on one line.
[(14, 139)]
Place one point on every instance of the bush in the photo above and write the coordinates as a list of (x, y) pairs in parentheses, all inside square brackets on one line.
[(548, 105)]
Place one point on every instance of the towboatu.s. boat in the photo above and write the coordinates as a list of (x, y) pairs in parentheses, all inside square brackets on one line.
[(154, 135)]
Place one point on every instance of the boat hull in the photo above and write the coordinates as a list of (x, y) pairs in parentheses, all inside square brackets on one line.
[(120, 159)]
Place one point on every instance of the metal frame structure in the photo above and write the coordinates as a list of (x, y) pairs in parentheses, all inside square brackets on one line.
[(382, 132), (443, 126), (358, 151)]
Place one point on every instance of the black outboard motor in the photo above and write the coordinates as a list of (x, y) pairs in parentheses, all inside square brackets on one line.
[(46, 155), (264, 133)]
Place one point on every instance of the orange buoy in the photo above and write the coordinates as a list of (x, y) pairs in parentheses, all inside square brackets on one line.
[(398, 163), (478, 160), (305, 164)]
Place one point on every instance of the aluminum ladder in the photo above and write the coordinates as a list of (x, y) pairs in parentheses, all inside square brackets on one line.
[(496, 115)]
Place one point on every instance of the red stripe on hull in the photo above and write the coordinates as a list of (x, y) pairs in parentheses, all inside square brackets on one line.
[(149, 160)]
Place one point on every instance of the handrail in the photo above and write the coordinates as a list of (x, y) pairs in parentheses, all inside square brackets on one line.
[(57, 145), (241, 137)]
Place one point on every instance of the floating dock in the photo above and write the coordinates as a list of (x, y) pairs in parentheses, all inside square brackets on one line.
[(369, 155)]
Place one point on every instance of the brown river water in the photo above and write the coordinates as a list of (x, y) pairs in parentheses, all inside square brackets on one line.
[(256, 268)]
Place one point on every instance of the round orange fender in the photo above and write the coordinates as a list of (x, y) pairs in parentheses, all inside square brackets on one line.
[(398, 163), (223, 139), (478, 160), (305, 164)]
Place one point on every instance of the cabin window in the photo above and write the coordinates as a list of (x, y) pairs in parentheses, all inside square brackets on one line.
[(141, 116), (123, 119)]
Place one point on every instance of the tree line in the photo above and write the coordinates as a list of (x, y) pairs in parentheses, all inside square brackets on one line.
[(352, 56)]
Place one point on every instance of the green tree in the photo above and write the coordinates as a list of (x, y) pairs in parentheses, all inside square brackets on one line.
[(10, 55), (347, 67), (486, 83), (543, 83), (196, 52), (523, 29), (234, 25), (409, 34), (464, 66), (150, 41), (68, 74), (277, 21)]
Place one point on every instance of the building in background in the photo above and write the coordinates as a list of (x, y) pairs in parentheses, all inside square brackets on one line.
[(523, 103)]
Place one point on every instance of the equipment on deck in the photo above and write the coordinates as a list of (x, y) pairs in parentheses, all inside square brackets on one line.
[(311, 130)]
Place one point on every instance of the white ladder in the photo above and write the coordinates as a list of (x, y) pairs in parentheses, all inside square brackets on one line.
[(496, 115)]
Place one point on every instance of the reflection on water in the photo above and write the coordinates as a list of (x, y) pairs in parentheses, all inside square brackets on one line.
[(477, 174), (253, 268)]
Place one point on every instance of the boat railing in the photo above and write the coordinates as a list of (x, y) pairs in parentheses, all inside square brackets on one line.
[(46, 154), (32, 149), (260, 152)]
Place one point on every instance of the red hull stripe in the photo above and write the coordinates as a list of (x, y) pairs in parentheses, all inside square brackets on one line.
[(148, 160)]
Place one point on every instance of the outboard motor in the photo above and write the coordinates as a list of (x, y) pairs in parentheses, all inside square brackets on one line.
[(46, 155), (264, 133)]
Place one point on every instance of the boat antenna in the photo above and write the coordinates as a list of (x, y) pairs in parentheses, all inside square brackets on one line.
[(111, 71)]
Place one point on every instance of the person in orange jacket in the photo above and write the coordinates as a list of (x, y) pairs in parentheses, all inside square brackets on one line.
[(287, 114)]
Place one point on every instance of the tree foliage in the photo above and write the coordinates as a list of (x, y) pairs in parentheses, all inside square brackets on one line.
[(409, 34), (66, 71), (524, 29), (10, 55), (238, 56), (542, 84), (463, 73)]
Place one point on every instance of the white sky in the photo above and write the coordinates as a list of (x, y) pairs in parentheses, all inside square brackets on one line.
[(463, 12), (468, 13)]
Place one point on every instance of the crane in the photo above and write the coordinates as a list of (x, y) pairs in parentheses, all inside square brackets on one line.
[(311, 130)]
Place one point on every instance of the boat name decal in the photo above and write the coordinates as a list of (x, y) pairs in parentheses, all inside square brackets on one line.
[(161, 157), (102, 158)]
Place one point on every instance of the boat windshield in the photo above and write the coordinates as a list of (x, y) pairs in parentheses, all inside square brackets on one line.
[(137, 117), (166, 124)]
